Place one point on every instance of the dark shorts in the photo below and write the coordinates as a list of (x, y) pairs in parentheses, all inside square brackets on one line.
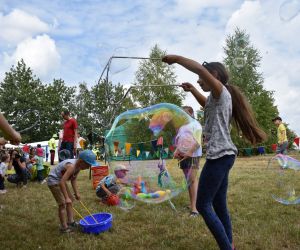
[(191, 162), (115, 188)]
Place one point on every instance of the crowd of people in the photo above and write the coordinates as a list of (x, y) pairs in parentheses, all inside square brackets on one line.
[(20, 164)]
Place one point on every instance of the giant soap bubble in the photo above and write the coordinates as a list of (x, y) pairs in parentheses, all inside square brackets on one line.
[(145, 142), (285, 174)]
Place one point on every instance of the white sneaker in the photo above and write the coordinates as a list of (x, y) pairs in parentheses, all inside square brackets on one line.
[(44, 181), (3, 191)]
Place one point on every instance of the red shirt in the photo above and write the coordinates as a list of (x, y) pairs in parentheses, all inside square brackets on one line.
[(26, 148), (69, 130), (39, 152)]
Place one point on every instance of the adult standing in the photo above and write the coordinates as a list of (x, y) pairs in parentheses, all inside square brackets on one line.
[(69, 139), (52, 147), (281, 136)]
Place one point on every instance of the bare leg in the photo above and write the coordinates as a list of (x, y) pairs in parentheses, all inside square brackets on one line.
[(62, 215), (70, 213), (193, 188)]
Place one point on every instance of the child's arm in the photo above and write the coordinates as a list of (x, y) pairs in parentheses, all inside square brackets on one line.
[(215, 85), (75, 189), (190, 88), (62, 184), (105, 189), (9, 165)]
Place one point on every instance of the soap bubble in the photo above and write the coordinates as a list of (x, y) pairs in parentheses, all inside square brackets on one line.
[(149, 139), (64, 154), (289, 10), (117, 65), (285, 172), (120, 64), (239, 62)]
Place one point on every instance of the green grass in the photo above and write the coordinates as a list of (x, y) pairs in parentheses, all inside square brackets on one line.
[(29, 218)]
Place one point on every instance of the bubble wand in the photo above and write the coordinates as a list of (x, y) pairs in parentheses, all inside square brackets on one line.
[(80, 216), (27, 115), (88, 211)]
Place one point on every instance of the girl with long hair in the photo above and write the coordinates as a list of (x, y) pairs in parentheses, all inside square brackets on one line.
[(224, 104)]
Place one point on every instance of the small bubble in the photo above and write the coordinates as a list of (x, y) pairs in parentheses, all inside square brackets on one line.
[(239, 62), (289, 10)]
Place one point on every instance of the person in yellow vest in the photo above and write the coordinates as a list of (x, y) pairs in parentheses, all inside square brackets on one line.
[(281, 135), (52, 147)]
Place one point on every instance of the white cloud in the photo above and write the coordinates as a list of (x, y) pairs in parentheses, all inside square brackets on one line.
[(19, 25), (39, 53)]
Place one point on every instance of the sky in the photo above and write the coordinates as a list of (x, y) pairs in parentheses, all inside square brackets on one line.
[(73, 40)]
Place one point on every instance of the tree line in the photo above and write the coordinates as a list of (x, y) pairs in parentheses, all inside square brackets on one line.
[(96, 106)]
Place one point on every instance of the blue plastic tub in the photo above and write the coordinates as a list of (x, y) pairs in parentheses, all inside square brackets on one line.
[(104, 222)]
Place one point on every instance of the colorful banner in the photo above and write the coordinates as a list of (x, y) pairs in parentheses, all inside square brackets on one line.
[(138, 153), (116, 145), (172, 148), (127, 148), (147, 153), (141, 147), (154, 144), (160, 141), (166, 150)]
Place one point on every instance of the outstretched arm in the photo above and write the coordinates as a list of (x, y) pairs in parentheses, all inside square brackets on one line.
[(214, 84), (190, 88), (9, 132)]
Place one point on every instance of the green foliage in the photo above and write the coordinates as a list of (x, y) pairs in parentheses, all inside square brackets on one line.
[(83, 110), (107, 103), (155, 72), (243, 62), (56, 98), (21, 91)]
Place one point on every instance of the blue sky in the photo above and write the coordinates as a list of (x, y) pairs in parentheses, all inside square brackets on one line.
[(72, 40)]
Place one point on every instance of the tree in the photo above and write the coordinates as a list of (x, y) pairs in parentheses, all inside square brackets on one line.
[(155, 72), (107, 101), (21, 91), (56, 97), (243, 61), (84, 109)]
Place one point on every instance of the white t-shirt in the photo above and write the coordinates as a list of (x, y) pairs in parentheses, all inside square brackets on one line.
[(3, 168), (189, 136)]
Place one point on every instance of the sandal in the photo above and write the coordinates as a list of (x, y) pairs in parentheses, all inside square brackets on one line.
[(65, 230), (194, 214)]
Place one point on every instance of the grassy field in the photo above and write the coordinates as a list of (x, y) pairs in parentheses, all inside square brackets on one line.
[(29, 218)]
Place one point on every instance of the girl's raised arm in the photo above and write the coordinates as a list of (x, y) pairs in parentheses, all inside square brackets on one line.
[(215, 85)]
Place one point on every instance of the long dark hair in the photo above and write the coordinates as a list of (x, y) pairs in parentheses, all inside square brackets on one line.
[(242, 113)]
